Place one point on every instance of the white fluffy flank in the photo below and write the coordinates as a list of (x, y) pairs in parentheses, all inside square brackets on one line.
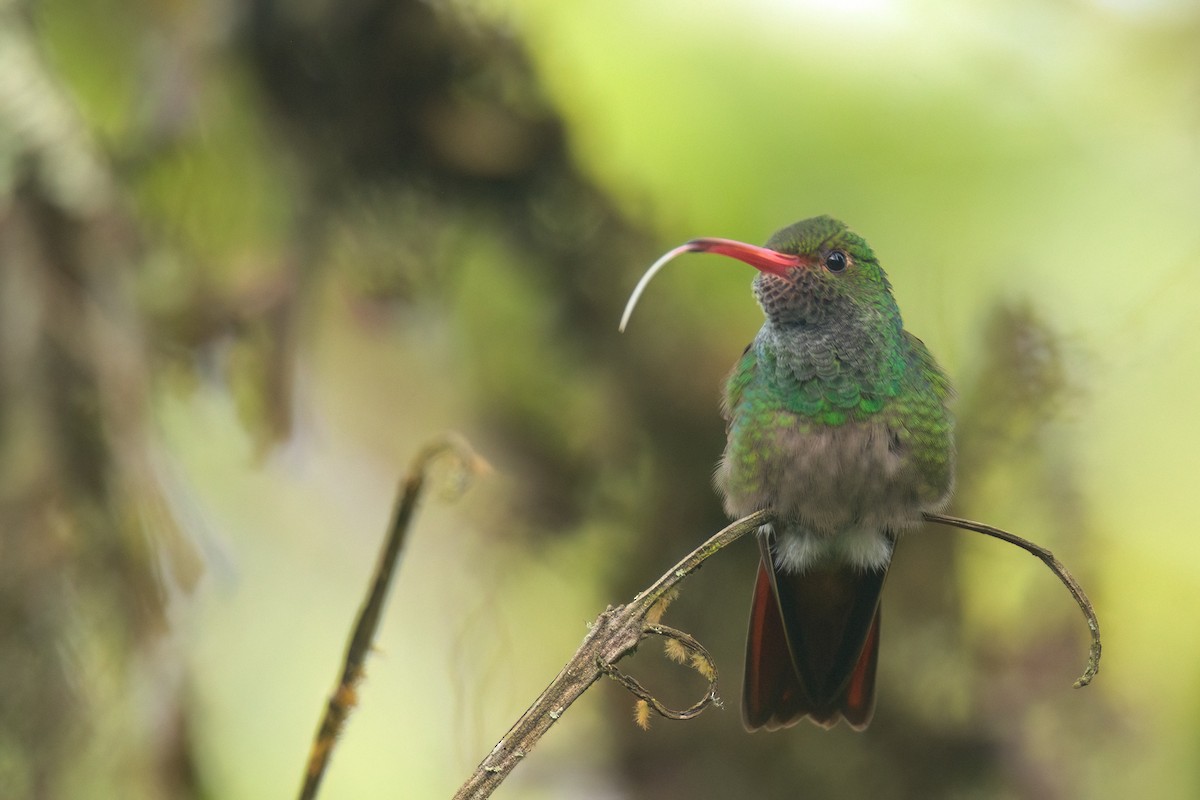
[(867, 549)]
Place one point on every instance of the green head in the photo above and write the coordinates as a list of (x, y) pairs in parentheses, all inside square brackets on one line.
[(835, 280)]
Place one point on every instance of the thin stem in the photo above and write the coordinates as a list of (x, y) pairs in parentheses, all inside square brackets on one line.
[(692, 561), (344, 697), (1056, 566)]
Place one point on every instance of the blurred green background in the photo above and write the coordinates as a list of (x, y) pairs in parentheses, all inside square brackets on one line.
[(254, 254)]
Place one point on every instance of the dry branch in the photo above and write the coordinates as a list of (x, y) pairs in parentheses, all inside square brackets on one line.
[(615, 634)]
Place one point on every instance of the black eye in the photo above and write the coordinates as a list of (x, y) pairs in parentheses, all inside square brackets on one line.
[(835, 261)]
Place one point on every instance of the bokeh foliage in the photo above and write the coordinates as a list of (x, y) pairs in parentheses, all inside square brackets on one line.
[(254, 254)]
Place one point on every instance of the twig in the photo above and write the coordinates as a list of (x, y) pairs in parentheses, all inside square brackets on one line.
[(1056, 566), (345, 695), (614, 635)]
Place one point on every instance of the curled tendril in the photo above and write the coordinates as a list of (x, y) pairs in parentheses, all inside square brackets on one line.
[(702, 662)]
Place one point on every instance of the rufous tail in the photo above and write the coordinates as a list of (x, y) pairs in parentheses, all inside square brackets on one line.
[(813, 646)]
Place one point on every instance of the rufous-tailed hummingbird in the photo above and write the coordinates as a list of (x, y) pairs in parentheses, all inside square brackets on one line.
[(837, 422)]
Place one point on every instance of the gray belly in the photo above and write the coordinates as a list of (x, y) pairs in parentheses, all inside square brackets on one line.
[(839, 492)]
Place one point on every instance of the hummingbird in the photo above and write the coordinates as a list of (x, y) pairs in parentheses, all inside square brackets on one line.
[(837, 422)]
